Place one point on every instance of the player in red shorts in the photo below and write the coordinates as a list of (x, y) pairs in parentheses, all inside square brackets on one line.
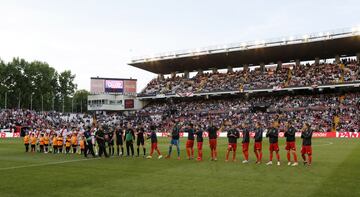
[(258, 142), (306, 149), (290, 144), (154, 146), (232, 134), (212, 130), (245, 142), (273, 135), (190, 141), (199, 139)]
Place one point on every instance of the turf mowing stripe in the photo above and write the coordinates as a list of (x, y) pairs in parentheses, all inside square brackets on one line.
[(45, 164)]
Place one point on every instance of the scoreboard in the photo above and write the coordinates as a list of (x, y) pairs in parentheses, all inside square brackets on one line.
[(113, 85)]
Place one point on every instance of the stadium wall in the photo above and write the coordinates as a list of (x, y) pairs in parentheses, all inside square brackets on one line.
[(281, 134)]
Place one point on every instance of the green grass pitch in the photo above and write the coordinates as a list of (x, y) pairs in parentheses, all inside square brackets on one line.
[(335, 172)]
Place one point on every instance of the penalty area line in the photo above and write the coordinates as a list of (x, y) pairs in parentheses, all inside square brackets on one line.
[(45, 164)]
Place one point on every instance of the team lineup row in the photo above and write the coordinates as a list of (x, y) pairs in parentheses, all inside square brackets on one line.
[(84, 142)]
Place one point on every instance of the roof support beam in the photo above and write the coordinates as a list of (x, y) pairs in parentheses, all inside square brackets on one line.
[(279, 65), (160, 76), (337, 59), (297, 62), (317, 61), (262, 67), (246, 66), (186, 74)]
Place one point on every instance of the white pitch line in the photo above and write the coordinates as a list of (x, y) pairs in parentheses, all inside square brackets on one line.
[(328, 143), (45, 164)]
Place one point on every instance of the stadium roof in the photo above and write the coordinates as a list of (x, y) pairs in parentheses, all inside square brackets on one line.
[(344, 42)]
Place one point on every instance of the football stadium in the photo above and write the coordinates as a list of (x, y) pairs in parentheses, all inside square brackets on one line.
[(269, 117)]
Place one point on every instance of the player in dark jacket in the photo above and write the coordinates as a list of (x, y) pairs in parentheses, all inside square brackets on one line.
[(190, 141), (245, 142), (306, 135), (273, 135), (199, 139), (258, 142), (119, 139), (290, 143), (100, 139), (152, 136), (110, 141), (232, 134), (212, 131)]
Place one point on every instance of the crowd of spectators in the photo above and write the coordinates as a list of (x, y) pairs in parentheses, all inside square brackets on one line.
[(349, 110), (327, 112), (9, 118), (248, 79)]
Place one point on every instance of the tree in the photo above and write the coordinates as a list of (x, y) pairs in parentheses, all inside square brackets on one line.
[(3, 77), (67, 88), (35, 84), (16, 83), (80, 101), (42, 84)]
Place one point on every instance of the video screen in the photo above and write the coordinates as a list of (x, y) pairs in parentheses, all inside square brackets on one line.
[(114, 86)]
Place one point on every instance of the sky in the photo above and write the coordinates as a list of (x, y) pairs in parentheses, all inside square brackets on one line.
[(99, 37)]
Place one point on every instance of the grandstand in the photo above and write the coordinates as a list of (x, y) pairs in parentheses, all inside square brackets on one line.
[(313, 78)]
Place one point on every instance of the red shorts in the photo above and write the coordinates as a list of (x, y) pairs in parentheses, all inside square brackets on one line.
[(257, 146), (290, 146), (232, 146), (153, 145), (212, 143), (199, 145), (306, 150), (274, 147), (245, 147), (189, 143)]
